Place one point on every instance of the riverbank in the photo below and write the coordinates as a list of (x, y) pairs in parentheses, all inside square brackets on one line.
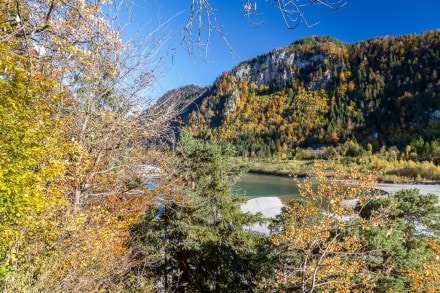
[(396, 172), (271, 206), (424, 188), (285, 168)]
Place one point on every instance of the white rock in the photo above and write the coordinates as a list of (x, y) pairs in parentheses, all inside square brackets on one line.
[(269, 207), (424, 188)]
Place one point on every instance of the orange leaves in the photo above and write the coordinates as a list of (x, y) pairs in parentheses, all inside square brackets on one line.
[(427, 279), (225, 84), (334, 191), (94, 245), (70, 182), (356, 246), (261, 123), (309, 111)]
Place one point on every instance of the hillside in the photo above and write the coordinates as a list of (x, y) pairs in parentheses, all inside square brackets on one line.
[(318, 90)]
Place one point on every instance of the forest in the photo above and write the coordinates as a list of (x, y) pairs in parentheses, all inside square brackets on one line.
[(321, 92), (96, 196)]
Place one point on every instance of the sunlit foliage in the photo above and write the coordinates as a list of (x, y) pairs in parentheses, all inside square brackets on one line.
[(32, 162), (197, 239), (73, 150), (345, 236), (383, 91)]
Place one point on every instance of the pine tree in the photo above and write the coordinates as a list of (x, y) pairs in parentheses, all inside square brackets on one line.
[(198, 240)]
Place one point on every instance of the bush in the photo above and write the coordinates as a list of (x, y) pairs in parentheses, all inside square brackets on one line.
[(302, 154)]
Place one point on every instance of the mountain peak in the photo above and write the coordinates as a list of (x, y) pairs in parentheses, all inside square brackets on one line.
[(382, 91)]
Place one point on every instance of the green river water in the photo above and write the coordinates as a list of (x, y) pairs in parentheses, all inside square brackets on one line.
[(259, 185)]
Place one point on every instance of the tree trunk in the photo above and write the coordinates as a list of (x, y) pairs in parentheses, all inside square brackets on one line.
[(184, 270)]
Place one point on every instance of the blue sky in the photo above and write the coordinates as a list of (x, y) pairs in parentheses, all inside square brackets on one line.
[(356, 21)]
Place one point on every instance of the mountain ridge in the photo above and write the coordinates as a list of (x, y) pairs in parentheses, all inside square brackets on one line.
[(382, 91)]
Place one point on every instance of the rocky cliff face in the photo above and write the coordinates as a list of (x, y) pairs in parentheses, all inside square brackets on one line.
[(280, 66)]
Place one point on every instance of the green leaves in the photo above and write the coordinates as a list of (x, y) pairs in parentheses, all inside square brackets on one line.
[(387, 244), (382, 91), (202, 232), (397, 237)]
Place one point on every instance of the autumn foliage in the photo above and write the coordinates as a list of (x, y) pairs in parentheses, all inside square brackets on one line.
[(92, 200), (345, 236), (72, 153), (318, 90)]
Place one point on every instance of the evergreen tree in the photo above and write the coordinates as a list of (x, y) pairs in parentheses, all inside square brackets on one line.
[(385, 244), (198, 241), (400, 233)]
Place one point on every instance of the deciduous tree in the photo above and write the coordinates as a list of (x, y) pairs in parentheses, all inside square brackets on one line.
[(374, 243), (74, 106), (32, 164)]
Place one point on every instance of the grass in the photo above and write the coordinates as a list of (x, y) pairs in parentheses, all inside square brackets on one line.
[(276, 166), (393, 171)]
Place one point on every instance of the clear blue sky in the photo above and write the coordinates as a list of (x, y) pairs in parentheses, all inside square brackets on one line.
[(357, 21)]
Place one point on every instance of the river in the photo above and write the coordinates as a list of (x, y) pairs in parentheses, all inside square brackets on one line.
[(269, 193), (261, 185)]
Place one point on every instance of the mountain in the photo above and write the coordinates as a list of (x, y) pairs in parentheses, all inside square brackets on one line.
[(185, 98), (318, 90)]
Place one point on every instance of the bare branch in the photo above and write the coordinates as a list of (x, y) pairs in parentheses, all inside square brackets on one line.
[(292, 11), (201, 23), (202, 20)]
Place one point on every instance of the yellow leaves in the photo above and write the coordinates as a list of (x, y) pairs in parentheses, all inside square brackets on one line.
[(309, 110), (315, 232), (56, 141), (342, 76), (94, 239), (13, 256), (351, 86), (31, 162), (427, 279)]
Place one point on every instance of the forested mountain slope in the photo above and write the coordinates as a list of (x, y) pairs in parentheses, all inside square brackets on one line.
[(318, 90)]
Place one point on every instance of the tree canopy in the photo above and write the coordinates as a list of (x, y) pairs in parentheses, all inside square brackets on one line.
[(93, 197), (197, 239)]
